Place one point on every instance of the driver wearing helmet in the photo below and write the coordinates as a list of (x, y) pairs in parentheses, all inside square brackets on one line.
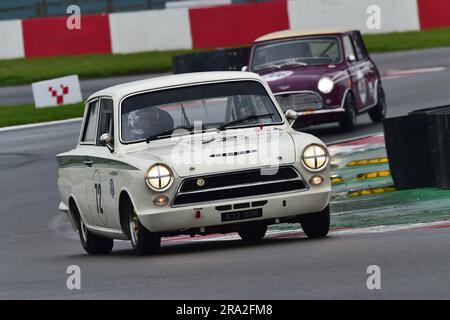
[(143, 123)]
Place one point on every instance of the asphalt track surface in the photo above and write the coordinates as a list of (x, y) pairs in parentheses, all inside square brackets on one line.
[(37, 244)]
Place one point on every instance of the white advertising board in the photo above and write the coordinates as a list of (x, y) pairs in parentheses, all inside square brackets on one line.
[(57, 92)]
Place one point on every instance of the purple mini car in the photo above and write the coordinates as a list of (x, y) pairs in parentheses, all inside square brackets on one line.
[(323, 75)]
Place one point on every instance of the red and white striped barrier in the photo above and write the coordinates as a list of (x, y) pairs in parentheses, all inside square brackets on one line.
[(210, 27)]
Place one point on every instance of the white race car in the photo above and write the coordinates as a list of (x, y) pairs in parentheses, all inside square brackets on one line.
[(191, 154)]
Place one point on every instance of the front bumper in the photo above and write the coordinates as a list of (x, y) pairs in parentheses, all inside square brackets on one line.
[(277, 206)]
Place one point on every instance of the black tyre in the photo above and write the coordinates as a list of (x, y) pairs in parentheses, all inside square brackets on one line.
[(92, 243), (144, 242), (317, 225), (378, 113), (348, 120), (253, 233)]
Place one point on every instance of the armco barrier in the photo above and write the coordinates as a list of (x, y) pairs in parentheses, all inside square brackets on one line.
[(51, 37), (151, 30), (434, 13), (400, 15), (210, 27), (236, 25), (12, 39)]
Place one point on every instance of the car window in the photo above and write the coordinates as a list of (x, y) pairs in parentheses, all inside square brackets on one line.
[(309, 51), (90, 125), (207, 105), (348, 47), (106, 124), (358, 43)]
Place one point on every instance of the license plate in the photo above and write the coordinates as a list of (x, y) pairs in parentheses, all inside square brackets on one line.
[(241, 215)]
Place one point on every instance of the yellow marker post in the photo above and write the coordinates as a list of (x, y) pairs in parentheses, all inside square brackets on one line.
[(370, 191), (373, 175), (365, 162)]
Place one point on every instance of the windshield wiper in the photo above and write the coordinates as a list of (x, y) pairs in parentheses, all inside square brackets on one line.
[(251, 117), (166, 133), (294, 63), (269, 67)]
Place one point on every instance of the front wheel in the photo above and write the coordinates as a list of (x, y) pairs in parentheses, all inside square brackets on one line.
[(317, 225), (348, 120), (144, 242), (253, 232), (378, 113), (92, 243)]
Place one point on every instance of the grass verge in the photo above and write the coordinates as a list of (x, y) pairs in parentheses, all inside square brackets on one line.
[(397, 41), (25, 71), (27, 113)]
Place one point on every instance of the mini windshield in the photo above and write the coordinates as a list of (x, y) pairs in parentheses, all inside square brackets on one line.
[(308, 51), (217, 106)]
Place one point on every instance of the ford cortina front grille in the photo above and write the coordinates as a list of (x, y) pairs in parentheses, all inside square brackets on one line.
[(299, 101), (239, 184)]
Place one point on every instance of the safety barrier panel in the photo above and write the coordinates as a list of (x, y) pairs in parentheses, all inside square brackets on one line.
[(210, 27)]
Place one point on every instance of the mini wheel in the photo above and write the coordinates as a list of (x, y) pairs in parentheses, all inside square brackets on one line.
[(317, 225), (348, 120), (378, 113)]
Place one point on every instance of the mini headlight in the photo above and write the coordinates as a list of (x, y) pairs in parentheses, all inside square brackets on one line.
[(325, 85), (159, 177), (315, 157)]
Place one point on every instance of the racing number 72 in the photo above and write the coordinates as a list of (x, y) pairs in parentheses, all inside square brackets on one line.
[(98, 197)]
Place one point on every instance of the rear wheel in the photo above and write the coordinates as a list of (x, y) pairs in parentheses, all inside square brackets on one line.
[(348, 120), (317, 225), (378, 113), (92, 243), (253, 232), (144, 242)]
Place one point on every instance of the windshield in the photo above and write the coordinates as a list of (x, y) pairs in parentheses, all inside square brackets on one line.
[(217, 106), (310, 51)]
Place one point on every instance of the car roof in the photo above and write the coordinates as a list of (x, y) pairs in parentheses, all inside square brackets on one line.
[(122, 90), (290, 33)]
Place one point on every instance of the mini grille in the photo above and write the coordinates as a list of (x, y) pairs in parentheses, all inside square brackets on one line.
[(300, 101)]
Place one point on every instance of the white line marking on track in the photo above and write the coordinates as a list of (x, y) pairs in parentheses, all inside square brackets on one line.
[(395, 74)]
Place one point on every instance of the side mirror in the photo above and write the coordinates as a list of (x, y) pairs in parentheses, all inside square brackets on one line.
[(291, 116), (107, 140), (244, 68), (351, 58)]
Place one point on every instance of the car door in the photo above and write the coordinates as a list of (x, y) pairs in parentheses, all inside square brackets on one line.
[(105, 175), (367, 67), (356, 70), (94, 161), (87, 151)]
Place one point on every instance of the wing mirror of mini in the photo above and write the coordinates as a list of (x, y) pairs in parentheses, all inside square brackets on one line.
[(291, 116), (107, 140), (244, 68)]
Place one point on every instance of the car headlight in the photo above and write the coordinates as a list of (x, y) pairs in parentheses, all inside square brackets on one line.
[(325, 85), (159, 177), (315, 157)]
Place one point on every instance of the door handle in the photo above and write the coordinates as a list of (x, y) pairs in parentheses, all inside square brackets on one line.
[(88, 162)]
